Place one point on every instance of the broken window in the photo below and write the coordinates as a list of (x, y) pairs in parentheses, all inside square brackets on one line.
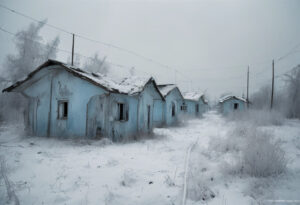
[(197, 108), (236, 106), (122, 112), (63, 109), (173, 109)]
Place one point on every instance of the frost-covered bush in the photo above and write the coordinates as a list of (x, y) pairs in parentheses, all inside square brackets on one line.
[(255, 152), (262, 117), (262, 155)]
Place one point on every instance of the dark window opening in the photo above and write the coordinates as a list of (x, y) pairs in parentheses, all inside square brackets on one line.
[(121, 111), (148, 118), (65, 112), (183, 107), (63, 109), (236, 106), (173, 109), (197, 108)]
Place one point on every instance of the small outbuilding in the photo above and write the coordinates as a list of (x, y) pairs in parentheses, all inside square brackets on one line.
[(168, 112), (231, 103), (195, 104), (65, 101)]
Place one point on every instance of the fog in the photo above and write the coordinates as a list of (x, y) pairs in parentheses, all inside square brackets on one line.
[(209, 42)]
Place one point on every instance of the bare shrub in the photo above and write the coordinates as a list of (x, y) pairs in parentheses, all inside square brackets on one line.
[(255, 152), (263, 156)]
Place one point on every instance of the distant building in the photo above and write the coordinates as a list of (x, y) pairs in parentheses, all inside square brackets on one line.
[(230, 103), (168, 112), (68, 102), (195, 104)]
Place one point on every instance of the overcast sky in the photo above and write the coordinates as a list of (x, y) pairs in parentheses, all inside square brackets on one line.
[(209, 42)]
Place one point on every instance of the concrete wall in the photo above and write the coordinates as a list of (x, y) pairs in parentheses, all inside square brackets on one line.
[(191, 108), (146, 101), (158, 113), (228, 106), (173, 97), (92, 111)]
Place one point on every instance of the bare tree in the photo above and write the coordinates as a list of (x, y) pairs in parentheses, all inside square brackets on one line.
[(293, 92), (96, 65), (30, 52)]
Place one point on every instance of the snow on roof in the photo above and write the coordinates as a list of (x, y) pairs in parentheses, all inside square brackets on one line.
[(195, 96), (130, 86), (166, 89), (227, 97), (134, 84)]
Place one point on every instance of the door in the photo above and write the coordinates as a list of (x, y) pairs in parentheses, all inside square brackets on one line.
[(148, 117), (95, 126)]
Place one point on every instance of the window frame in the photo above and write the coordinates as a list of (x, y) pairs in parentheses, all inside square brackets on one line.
[(125, 112), (62, 115)]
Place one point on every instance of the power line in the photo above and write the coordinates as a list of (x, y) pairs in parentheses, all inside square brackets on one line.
[(95, 41), (292, 51), (69, 52)]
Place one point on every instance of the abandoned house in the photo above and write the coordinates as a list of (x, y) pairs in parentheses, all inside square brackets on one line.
[(230, 103), (195, 104), (68, 102), (168, 112)]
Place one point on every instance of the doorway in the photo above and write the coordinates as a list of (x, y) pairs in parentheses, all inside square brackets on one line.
[(148, 117)]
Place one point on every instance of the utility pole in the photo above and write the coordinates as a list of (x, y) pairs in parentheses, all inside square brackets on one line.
[(272, 93), (73, 50), (248, 88)]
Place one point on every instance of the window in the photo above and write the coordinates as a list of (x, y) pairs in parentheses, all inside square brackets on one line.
[(122, 112), (173, 109), (183, 107), (197, 108), (236, 106), (63, 109)]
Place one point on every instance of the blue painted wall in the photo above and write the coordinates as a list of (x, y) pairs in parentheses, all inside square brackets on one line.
[(158, 113), (228, 106), (191, 108), (146, 101), (92, 111), (173, 97)]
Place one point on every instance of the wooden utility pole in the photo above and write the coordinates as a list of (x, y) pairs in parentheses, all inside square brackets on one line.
[(248, 88), (272, 93), (73, 50)]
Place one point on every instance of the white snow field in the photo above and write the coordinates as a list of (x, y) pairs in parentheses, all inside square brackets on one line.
[(149, 171)]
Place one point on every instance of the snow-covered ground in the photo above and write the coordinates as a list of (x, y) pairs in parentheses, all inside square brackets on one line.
[(152, 171)]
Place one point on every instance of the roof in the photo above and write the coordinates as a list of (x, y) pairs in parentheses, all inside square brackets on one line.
[(129, 86), (195, 96), (228, 97), (166, 88)]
